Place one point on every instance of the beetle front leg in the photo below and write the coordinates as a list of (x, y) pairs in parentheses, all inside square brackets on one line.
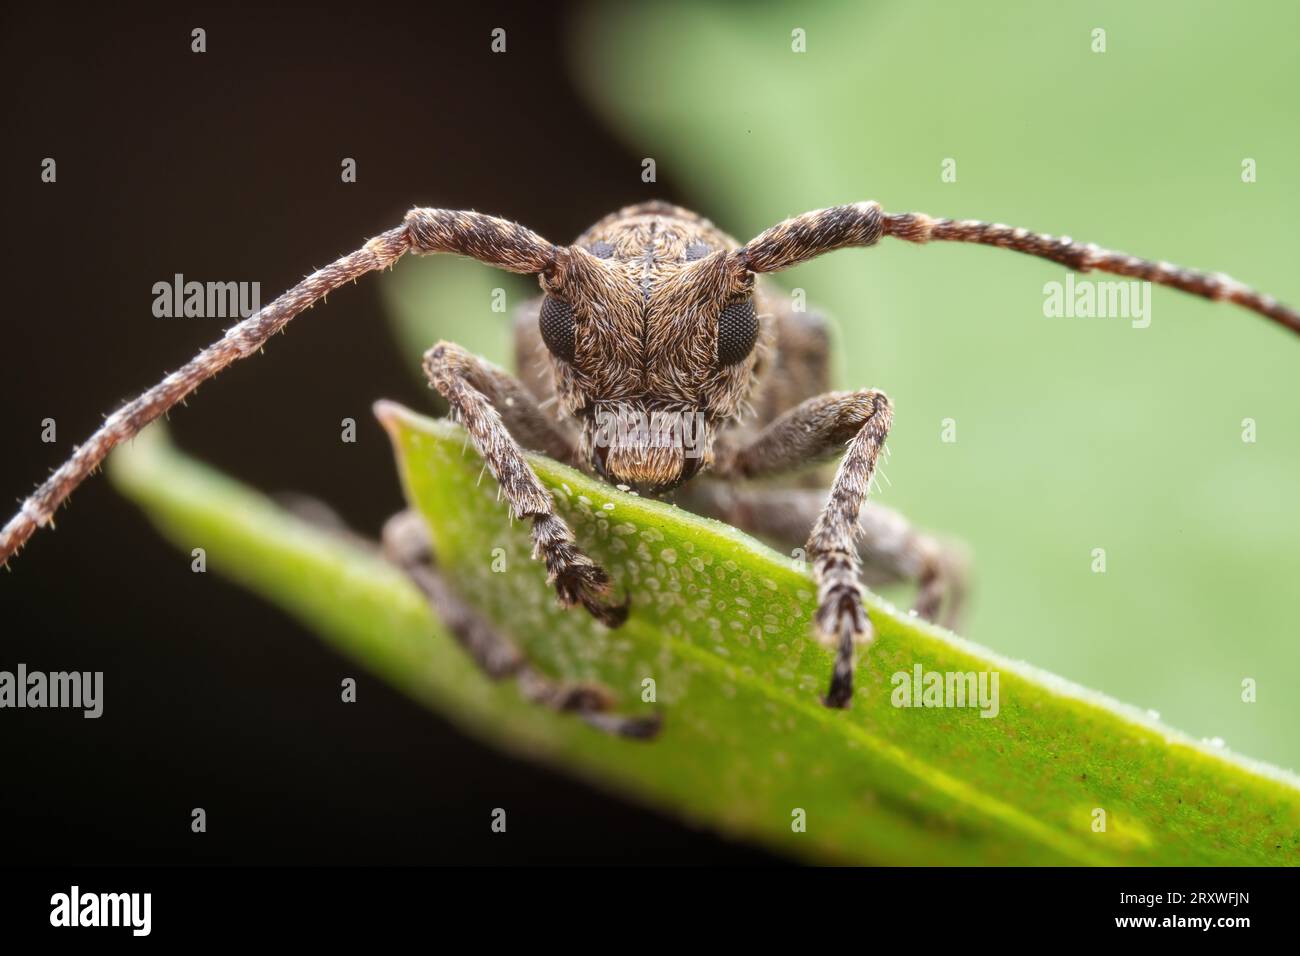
[(891, 548), (833, 550), (461, 377), (813, 430)]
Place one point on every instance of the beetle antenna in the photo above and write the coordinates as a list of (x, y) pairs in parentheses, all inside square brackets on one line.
[(493, 241), (862, 224)]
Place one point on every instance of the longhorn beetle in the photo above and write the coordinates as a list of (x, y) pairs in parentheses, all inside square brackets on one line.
[(655, 312)]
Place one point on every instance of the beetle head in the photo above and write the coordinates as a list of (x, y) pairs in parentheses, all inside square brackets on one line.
[(654, 336)]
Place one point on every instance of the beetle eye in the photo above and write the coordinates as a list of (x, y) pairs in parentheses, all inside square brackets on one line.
[(737, 332), (556, 324)]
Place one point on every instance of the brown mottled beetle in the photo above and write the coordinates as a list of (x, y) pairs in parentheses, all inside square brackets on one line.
[(654, 324)]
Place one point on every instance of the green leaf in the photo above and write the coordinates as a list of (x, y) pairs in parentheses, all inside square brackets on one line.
[(720, 624), (1071, 435)]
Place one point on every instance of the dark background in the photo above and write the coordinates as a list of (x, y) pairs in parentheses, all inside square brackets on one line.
[(225, 166)]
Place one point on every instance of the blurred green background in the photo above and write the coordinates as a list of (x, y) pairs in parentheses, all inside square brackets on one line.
[(1072, 434)]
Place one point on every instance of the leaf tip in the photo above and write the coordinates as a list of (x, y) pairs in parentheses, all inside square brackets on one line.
[(390, 415)]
